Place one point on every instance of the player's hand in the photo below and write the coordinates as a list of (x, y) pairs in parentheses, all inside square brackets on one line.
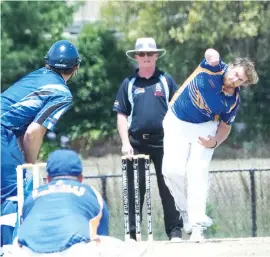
[(212, 57), (127, 150), (210, 142)]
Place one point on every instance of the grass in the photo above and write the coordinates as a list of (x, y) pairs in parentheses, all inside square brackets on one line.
[(229, 197)]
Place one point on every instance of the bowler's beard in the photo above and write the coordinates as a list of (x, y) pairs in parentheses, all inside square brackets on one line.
[(228, 83)]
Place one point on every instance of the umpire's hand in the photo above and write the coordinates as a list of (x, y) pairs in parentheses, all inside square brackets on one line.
[(127, 150)]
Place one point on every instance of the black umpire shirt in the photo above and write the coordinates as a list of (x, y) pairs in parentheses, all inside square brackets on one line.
[(145, 101)]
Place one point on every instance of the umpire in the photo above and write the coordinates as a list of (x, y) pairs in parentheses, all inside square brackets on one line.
[(141, 104)]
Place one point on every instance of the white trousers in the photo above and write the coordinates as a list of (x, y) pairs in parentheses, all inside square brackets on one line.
[(183, 155), (107, 247)]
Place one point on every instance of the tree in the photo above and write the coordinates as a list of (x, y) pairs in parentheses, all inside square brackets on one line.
[(184, 29), (25, 40), (187, 28), (28, 29), (102, 70)]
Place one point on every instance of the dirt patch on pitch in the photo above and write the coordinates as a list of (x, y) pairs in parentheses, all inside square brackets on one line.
[(211, 248)]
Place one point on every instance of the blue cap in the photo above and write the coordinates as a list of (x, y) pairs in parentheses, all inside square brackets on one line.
[(64, 163)]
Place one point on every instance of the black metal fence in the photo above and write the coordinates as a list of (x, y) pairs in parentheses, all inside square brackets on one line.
[(253, 196), (234, 195)]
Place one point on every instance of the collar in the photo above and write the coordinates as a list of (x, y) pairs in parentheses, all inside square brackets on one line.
[(236, 91), (64, 177), (57, 74)]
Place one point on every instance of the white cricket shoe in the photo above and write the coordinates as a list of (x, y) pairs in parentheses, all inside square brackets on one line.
[(186, 225), (207, 222), (197, 233), (176, 240)]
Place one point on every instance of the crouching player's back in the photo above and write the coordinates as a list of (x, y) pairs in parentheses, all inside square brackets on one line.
[(64, 212)]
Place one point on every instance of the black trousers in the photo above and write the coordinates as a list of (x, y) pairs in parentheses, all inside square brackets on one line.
[(173, 224)]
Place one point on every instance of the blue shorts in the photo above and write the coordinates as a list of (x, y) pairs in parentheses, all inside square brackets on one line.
[(11, 157), (7, 232)]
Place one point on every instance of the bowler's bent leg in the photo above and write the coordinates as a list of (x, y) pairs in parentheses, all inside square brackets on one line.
[(197, 174), (176, 152), (197, 177)]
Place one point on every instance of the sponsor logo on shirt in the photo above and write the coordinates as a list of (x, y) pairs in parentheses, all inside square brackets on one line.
[(139, 90), (158, 91)]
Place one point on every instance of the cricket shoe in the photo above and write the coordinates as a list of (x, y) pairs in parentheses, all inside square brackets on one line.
[(186, 225), (176, 236), (197, 233), (206, 222), (176, 240)]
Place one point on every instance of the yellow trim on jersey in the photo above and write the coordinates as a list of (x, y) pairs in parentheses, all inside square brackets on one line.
[(198, 70), (236, 99), (216, 117), (95, 221)]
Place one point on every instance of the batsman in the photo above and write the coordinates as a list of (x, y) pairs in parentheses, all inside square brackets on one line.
[(29, 108)]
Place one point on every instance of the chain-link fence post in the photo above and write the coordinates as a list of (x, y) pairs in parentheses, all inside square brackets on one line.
[(253, 202), (104, 188)]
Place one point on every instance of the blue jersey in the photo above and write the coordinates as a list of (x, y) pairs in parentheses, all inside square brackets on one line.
[(41, 96), (61, 214), (201, 98)]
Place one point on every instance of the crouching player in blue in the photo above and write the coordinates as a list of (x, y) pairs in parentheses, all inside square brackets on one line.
[(65, 215), (63, 212), (29, 108)]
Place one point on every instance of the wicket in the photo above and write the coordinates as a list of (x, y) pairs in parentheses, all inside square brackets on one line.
[(37, 179), (135, 162)]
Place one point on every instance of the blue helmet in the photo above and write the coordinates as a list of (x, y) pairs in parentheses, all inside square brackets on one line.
[(62, 55)]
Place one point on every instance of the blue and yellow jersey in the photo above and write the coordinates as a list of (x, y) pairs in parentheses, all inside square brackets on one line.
[(41, 96), (61, 214), (201, 98)]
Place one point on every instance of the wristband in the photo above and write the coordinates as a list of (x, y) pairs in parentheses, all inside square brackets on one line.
[(214, 145)]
